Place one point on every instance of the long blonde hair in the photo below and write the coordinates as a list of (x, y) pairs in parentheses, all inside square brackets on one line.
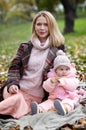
[(56, 38)]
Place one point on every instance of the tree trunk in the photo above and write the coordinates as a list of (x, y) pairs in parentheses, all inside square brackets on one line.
[(69, 11)]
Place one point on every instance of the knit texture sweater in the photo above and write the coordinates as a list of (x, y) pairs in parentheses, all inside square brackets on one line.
[(32, 78)]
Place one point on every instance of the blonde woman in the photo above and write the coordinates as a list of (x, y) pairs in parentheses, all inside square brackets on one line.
[(30, 66)]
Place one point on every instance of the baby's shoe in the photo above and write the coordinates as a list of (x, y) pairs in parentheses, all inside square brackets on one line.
[(34, 108), (60, 108)]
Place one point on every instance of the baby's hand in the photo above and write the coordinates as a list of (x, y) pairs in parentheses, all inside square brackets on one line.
[(13, 89), (54, 79)]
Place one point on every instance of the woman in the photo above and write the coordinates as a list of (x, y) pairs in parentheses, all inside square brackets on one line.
[(30, 66)]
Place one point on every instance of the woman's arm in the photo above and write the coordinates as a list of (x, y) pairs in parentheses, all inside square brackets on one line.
[(14, 72)]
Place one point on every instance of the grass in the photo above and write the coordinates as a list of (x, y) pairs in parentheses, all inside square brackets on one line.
[(11, 35)]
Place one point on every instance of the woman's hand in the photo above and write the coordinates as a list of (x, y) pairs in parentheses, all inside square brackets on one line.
[(13, 89)]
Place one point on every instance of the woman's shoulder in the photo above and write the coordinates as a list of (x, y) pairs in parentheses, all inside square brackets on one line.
[(61, 47), (26, 45)]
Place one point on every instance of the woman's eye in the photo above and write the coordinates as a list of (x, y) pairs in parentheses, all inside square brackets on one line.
[(45, 24), (38, 24)]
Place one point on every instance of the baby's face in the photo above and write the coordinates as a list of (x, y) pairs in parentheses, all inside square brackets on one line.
[(62, 71)]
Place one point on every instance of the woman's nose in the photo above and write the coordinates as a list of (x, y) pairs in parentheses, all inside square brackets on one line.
[(42, 26)]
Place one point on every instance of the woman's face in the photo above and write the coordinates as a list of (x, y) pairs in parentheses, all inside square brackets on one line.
[(41, 28)]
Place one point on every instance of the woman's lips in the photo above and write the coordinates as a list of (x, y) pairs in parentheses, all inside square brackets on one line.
[(42, 32)]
